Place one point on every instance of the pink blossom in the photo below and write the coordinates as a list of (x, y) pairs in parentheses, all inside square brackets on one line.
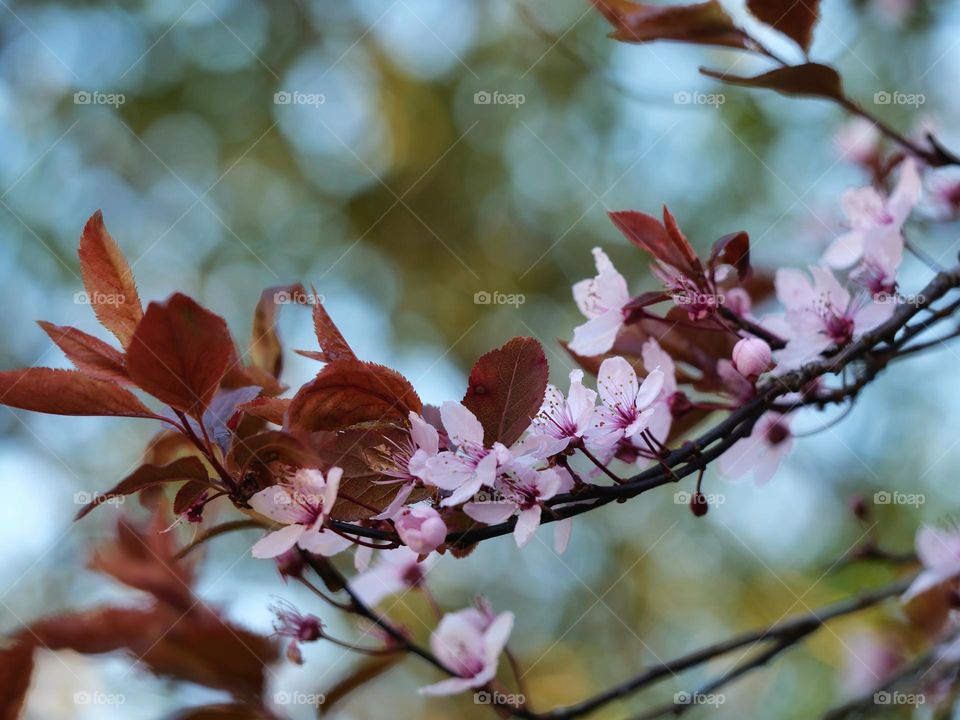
[(521, 492), (421, 528), (858, 141), (469, 643), (752, 357), (874, 218), (761, 453), (656, 359), (565, 420), (942, 193), (303, 506), (819, 315), (601, 300), (407, 462), (393, 571), (463, 471), (626, 408), (939, 554), (291, 623)]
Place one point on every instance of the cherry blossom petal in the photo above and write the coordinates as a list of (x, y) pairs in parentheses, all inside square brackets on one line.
[(463, 493), (562, 529), (597, 335), (461, 425), (527, 523), (277, 502), (323, 542), (424, 435), (617, 382), (278, 542), (490, 513), (845, 250)]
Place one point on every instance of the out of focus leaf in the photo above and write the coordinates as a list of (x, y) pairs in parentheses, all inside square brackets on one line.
[(794, 18), (809, 79), (350, 392), (108, 280), (272, 410), (179, 353), (370, 669), (705, 23), (16, 668), (68, 392), (145, 476), (506, 389), (89, 354), (266, 352), (733, 250)]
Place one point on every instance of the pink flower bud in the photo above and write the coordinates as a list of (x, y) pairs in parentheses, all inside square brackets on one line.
[(751, 357), (421, 528)]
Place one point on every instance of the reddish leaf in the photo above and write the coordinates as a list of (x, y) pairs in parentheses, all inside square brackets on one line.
[(348, 392), (663, 241), (108, 280), (269, 447), (272, 410), (794, 18), (145, 476), (333, 346), (225, 711), (68, 392), (734, 250), (16, 668), (810, 79), (266, 351), (506, 389), (179, 353), (88, 353), (361, 452), (705, 23), (187, 495)]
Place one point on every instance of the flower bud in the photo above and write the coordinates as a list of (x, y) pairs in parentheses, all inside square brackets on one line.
[(698, 504), (751, 357), (421, 528)]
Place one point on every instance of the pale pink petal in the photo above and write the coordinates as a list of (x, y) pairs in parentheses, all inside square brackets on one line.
[(617, 382), (826, 284), (845, 250), (490, 513), (278, 542), (396, 505), (376, 584), (793, 288), (871, 315), (562, 530), (938, 549), (654, 357), (597, 335), (741, 457), (323, 542), (463, 493), (450, 686), (527, 523), (650, 388), (448, 471), (461, 425), (424, 434), (361, 557), (907, 192), (277, 503)]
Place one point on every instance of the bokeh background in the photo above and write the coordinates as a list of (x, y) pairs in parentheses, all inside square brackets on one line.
[(239, 144)]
